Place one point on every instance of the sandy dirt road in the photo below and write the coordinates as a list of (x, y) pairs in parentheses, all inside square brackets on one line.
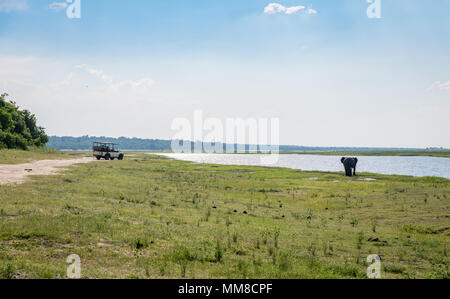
[(18, 173)]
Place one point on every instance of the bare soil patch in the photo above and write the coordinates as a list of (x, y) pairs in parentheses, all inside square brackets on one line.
[(18, 173)]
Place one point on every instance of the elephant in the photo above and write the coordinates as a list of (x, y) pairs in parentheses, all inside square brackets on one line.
[(350, 164)]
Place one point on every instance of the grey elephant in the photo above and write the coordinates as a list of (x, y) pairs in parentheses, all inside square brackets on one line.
[(350, 166)]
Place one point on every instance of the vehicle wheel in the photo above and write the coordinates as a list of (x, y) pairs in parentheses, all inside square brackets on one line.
[(120, 157), (112, 159), (107, 157), (98, 157)]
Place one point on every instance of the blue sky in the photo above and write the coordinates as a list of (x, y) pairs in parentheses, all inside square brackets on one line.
[(332, 75)]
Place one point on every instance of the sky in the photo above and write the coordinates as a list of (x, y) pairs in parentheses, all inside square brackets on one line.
[(332, 75)]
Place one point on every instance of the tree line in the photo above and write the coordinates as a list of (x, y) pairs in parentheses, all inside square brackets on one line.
[(85, 143), (125, 143), (18, 128)]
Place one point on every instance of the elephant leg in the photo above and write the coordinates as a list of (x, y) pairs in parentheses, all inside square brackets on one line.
[(348, 171), (354, 171)]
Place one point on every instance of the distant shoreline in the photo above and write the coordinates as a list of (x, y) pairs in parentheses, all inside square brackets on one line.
[(440, 154), (424, 153)]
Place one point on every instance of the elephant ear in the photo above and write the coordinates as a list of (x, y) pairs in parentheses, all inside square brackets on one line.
[(342, 160)]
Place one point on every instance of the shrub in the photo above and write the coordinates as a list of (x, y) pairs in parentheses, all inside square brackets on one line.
[(7, 272)]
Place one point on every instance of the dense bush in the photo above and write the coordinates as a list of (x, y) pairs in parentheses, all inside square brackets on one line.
[(18, 128)]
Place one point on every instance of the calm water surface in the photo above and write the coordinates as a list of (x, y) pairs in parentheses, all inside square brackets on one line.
[(413, 166)]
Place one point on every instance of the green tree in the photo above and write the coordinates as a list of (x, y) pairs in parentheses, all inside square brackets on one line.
[(19, 129)]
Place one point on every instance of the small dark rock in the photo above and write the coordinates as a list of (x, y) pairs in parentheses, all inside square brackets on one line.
[(377, 240)]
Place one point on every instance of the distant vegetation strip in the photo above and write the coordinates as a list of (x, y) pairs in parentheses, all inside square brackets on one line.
[(85, 143), (138, 144)]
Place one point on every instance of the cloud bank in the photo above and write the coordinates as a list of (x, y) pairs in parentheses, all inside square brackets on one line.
[(311, 11), (88, 100), (274, 8), (142, 83), (440, 85), (58, 6)]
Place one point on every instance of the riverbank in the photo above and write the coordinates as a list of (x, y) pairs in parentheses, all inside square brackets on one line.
[(153, 217)]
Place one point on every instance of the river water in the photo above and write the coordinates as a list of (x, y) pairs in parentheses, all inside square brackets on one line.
[(412, 166)]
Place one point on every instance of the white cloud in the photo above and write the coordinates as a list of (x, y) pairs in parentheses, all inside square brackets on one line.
[(97, 73), (273, 8), (440, 85), (58, 6), (13, 5), (142, 83), (25, 72), (88, 100), (293, 9)]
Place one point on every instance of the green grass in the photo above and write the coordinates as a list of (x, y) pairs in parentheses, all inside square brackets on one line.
[(152, 217), (430, 153), (9, 156)]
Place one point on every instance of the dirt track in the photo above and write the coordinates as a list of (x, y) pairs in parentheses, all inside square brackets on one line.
[(18, 173)]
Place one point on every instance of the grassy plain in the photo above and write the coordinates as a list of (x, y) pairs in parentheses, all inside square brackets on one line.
[(8, 156), (152, 217)]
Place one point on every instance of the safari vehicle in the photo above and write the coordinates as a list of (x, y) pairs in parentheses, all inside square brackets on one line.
[(107, 151)]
